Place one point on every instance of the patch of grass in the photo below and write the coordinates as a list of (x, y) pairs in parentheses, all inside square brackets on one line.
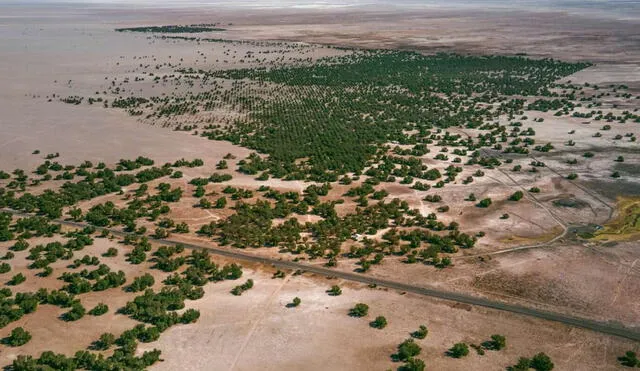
[(527, 240), (626, 224)]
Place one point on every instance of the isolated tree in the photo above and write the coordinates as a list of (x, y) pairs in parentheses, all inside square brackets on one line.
[(497, 342), (458, 350), (18, 337), (296, 302), (221, 203), (99, 309), (408, 349), (335, 290), (421, 333), (380, 322), (629, 359), (17, 279), (541, 362), (359, 310), (517, 196), (486, 202)]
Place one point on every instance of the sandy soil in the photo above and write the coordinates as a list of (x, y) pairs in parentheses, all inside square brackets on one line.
[(63, 52), (257, 330)]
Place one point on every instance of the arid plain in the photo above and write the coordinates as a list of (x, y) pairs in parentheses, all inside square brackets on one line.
[(567, 245)]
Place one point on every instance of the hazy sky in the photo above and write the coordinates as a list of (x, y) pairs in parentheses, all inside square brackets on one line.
[(617, 8)]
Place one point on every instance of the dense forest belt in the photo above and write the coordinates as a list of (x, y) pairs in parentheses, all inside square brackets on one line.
[(597, 326)]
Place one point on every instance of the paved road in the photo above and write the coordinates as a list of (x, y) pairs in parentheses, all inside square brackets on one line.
[(598, 326)]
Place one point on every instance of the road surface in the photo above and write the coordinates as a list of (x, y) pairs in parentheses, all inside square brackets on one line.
[(597, 326)]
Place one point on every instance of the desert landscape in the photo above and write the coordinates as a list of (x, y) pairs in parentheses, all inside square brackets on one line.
[(309, 185)]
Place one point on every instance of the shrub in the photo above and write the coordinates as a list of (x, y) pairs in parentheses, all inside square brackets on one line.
[(408, 349), (629, 359), (20, 245), (380, 322), (497, 342), (141, 283), (99, 309), (296, 302), (517, 196), (413, 364), (484, 203), (17, 279), (112, 251), (359, 310), (541, 362), (238, 290), (105, 341), (458, 350), (421, 333), (335, 290), (18, 337), (77, 311), (190, 316)]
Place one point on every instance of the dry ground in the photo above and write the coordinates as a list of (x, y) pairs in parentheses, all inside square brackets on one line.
[(51, 52)]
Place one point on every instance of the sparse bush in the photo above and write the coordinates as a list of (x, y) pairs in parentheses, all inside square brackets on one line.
[(629, 359), (407, 350), (380, 322), (17, 338), (517, 196), (359, 310), (17, 279), (335, 290), (421, 333), (458, 350), (99, 309), (484, 203)]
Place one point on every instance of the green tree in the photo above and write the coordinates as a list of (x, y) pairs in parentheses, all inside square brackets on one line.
[(17, 279), (524, 364), (380, 322), (408, 349), (359, 310), (413, 364), (421, 333), (335, 290), (296, 302), (458, 350), (497, 342), (105, 341), (517, 196), (486, 202), (629, 359), (99, 309), (18, 337), (541, 362), (221, 203)]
